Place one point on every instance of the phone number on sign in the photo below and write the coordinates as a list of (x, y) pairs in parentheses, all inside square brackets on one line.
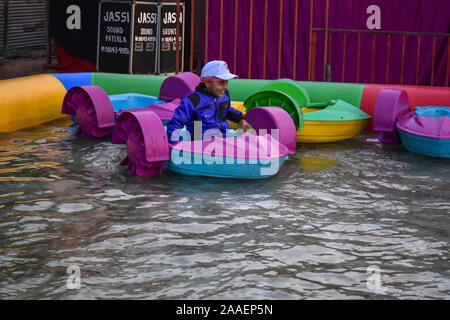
[(119, 50)]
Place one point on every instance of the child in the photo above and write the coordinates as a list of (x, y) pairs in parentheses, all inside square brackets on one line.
[(209, 103)]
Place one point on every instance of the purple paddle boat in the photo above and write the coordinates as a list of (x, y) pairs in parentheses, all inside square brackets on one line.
[(96, 111), (426, 130), (255, 155)]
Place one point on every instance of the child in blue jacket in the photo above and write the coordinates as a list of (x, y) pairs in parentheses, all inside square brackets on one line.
[(209, 103)]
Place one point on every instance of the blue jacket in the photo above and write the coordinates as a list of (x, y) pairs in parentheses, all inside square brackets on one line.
[(202, 106)]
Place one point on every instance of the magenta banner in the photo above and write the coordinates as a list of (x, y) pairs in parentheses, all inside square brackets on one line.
[(380, 58)]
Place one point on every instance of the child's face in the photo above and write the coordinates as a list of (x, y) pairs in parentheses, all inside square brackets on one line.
[(217, 88)]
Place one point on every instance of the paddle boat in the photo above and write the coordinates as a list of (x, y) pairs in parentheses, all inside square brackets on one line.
[(95, 111), (256, 155), (318, 122), (424, 130)]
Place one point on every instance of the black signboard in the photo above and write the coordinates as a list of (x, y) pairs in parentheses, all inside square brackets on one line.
[(145, 38), (114, 37), (71, 25), (168, 36)]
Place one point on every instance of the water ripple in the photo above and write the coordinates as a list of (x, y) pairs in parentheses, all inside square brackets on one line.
[(335, 216)]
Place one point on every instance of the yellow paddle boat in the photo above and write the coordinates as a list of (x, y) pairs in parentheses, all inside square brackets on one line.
[(319, 122)]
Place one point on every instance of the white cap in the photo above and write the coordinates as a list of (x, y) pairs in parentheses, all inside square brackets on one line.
[(218, 69)]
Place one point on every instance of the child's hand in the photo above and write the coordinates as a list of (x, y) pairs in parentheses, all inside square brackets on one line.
[(244, 125)]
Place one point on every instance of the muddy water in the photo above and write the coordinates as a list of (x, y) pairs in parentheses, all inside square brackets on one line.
[(350, 220)]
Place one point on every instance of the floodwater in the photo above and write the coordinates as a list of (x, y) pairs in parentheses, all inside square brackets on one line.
[(349, 220)]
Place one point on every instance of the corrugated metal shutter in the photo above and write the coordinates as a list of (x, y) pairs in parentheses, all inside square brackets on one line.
[(26, 23), (2, 24)]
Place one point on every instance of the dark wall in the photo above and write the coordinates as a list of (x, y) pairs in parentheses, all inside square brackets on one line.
[(82, 42), (199, 21)]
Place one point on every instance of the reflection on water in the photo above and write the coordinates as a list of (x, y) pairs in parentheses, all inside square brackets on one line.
[(349, 220)]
